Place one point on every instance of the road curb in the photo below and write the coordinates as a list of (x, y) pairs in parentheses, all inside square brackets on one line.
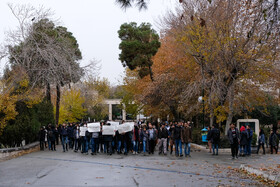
[(203, 148), (26, 147), (9, 153), (275, 178)]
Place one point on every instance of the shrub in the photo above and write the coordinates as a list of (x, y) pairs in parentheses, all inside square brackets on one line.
[(224, 143), (254, 139)]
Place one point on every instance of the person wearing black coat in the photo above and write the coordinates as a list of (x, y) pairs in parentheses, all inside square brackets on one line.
[(171, 137), (215, 139), (177, 137), (70, 132), (162, 136), (64, 136), (234, 140), (52, 138), (244, 136), (42, 133), (273, 142)]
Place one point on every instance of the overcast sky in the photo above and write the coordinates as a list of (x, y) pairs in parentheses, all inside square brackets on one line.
[(94, 23)]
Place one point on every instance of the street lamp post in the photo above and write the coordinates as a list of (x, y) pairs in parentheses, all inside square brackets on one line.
[(203, 105), (201, 100)]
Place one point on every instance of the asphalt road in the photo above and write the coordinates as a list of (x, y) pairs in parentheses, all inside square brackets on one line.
[(47, 168)]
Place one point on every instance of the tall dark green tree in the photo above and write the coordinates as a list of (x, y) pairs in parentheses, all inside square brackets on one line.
[(138, 45)]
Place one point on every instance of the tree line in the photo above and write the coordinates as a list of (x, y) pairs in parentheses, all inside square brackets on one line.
[(225, 52)]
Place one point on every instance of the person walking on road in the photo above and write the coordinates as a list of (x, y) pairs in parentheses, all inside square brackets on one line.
[(171, 137), (144, 136), (273, 142), (244, 136), (250, 134), (77, 143), (261, 141), (162, 137), (52, 138), (215, 139), (152, 138), (42, 134), (186, 138), (209, 139), (178, 141), (234, 140), (64, 136)]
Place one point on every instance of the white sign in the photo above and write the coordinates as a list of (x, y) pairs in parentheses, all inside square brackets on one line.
[(126, 127), (108, 130), (94, 127), (83, 131), (114, 124)]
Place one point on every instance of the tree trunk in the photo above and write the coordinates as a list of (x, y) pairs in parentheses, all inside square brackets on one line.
[(48, 92), (211, 117), (57, 103), (174, 112), (151, 73), (196, 121), (230, 114)]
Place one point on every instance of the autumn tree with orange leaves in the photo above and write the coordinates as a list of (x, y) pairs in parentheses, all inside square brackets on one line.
[(227, 48)]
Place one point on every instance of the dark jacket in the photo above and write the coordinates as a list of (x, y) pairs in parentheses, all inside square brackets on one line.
[(76, 133), (230, 135), (119, 137), (209, 135), (273, 139), (144, 135), (186, 135), (215, 135), (171, 133), (70, 131), (177, 132), (244, 138), (51, 134), (250, 134), (162, 133), (261, 139), (64, 131), (42, 134), (136, 133)]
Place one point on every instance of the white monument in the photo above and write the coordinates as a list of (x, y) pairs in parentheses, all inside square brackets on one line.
[(253, 123)]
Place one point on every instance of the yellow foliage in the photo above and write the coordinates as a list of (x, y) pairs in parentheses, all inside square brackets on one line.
[(15, 89), (221, 113), (71, 108)]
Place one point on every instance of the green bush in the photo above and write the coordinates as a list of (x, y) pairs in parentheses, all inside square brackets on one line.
[(224, 143), (254, 139), (196, 136), (27, 123)]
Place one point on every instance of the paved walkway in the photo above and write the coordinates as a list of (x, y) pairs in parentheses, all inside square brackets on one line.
[(267, 166), (47, 168)]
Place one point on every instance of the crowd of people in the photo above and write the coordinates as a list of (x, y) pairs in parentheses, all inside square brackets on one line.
[(241, 140), (142, 139)]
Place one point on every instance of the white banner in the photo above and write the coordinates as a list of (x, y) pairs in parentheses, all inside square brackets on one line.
[(114, 124), (108, 130), (83, 131), (126, 127), (94, 127)]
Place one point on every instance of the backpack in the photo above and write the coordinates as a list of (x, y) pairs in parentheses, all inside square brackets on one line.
[(215, 135), (50, 134)]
